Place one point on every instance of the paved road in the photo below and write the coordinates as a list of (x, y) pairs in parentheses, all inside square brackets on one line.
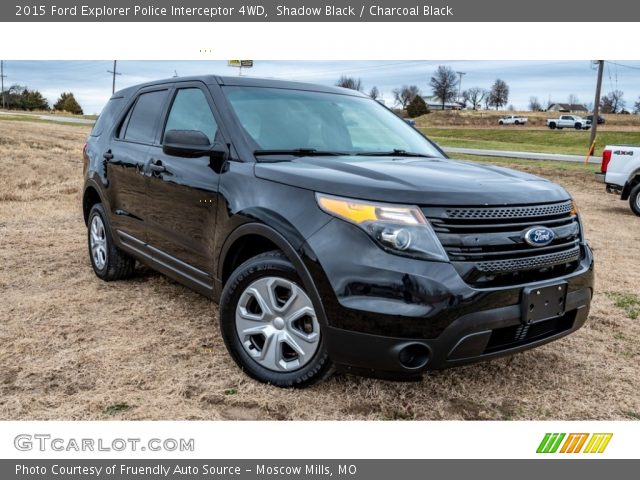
[(524, 155), (52, 118)]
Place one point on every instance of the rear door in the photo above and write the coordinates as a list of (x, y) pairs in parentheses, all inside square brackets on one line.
[(126, 164), (184, 194)]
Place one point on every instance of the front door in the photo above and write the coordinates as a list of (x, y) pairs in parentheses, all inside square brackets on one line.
[(183, 192)]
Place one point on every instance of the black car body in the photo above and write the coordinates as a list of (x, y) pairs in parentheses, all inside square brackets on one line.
[(601, 119), (487, 261)]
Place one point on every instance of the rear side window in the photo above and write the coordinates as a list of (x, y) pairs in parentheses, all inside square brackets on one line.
[(142, 121), (191, 111), (107, 116)]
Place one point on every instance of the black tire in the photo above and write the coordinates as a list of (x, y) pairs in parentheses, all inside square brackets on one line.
[(118, 265), (578, 126), (552, 125), (501, 122), (634, 199), (517, 122), (270, 264)]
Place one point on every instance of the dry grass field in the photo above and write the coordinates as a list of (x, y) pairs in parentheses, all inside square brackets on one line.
[(73, 347)]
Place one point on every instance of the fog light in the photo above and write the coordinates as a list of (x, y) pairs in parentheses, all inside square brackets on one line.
[(414, 356)]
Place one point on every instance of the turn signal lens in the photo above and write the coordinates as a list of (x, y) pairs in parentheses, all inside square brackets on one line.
[(360, 212)]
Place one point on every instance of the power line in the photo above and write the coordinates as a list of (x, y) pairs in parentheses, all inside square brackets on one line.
[(115, 72), (623, 65), (2, 77)]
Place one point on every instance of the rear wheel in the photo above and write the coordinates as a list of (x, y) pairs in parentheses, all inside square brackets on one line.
[(517, 122), (501, 122), (108, 261), (552, 125), (270, 326), (634, 199)]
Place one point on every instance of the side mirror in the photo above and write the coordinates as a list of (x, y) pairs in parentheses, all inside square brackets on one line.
[(191, 144)]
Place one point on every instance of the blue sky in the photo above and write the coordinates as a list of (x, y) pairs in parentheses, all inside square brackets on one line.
[(556, 80)]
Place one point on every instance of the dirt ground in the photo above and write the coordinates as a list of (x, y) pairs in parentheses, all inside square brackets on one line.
[(73, 347)]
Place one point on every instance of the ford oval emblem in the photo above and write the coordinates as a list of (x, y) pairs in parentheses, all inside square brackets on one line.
[(539, 236)]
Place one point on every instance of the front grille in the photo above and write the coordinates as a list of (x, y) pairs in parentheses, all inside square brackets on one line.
[(510, 212), (487, 246), (518, 335)]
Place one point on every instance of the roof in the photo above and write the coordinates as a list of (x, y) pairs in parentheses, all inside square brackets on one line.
[(242, 81), (571, 107)]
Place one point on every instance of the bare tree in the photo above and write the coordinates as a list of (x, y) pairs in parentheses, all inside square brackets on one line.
[(499, 94), (636, 107), (405, 94), (350, 82), (612, 102), (444, 83), (534, 104), (573, 99), (487, 99), (474, 96), (374, 93)]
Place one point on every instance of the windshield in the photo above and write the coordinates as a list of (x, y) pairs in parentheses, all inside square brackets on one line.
[(276, 119)]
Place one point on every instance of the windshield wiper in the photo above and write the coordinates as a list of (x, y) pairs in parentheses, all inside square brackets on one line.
[(300, 152), (396, 152)]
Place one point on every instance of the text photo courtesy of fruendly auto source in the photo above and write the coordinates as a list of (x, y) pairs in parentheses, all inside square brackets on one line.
[(320, 240)]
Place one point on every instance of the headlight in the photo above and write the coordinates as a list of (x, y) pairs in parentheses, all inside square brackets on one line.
[(401, 229)]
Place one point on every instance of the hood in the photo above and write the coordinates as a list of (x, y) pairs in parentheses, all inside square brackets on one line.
[(421, 181)]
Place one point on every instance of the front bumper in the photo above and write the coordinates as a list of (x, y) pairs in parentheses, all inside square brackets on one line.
[(390, 316)]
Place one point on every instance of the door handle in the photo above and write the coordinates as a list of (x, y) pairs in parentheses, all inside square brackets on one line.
[(156, 166)]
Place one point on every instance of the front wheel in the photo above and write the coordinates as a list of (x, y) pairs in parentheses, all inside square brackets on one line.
[(578, 126), (270, 326), (634, 199)]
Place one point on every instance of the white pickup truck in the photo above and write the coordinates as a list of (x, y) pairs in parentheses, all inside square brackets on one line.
[(569, 121), (513, 120), (620, 172)]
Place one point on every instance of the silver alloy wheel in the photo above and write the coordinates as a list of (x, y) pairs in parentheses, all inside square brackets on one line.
[(98, 242), (277, 325), (638, 202)]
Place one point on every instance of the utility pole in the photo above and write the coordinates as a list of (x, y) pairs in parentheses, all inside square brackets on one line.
[(461, 74), (114, 72), (2, 77), (596, 104)]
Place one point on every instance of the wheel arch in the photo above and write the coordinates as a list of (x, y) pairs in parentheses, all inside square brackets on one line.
[(90, 197), (240, 245)]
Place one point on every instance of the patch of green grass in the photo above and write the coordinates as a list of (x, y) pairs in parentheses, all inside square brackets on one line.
[(628, 302), (516, 162), (633, 415), (231, 391), (116, 408), (565, 141)]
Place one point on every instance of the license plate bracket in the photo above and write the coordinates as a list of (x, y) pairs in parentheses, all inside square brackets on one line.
[(543, 303)]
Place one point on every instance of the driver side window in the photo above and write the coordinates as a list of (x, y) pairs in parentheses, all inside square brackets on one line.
[(191, 111)]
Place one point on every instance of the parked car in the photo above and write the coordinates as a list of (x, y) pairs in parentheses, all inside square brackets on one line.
[(327, 246), (513, 120), (569, 121), (620, 172), (601, 119)]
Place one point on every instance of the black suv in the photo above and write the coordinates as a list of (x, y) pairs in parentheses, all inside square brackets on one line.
[(331, 233)]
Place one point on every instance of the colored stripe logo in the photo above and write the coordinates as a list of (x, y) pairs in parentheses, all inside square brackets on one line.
[(574, 443)]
